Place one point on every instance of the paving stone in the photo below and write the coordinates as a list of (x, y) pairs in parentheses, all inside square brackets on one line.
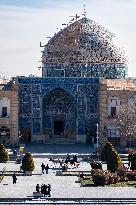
[(61, 186)]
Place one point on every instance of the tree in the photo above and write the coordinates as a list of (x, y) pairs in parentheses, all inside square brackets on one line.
[(3, 154), (28, 162), (106, 151), (110, 155), (126, 123), (114, 161)]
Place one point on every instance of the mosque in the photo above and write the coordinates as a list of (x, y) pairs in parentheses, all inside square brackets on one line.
[(84, 80)]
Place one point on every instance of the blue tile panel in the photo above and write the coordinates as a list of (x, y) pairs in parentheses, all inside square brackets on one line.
[(80, 95)]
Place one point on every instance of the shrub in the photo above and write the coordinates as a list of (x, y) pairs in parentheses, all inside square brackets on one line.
[(102, 178), (121, 172), (106, 151), (131, 176), (111, 157), (3, 154), (96, 165), (114, 161), (116, 178), (28, 162), (99, 177)]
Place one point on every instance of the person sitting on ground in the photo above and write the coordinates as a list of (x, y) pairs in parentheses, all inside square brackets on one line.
[(64, 167), (37, 188)]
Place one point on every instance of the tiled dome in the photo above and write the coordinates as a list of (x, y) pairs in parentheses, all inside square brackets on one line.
[(84, 49)]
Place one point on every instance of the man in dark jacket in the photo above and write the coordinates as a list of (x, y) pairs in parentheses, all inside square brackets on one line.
[(14, 178), (47, 168), (43, 167)]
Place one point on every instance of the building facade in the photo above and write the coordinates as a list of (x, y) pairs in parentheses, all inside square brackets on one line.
[(71, 98), (115, 95), (58, 109), (9, 113)]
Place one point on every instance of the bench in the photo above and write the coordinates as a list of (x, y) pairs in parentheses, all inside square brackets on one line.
[(37, 194)]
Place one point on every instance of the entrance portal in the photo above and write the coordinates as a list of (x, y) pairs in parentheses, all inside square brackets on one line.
[(59, 115), (58, 127)]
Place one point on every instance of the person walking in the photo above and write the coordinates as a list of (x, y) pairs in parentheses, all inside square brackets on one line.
[(47, 168), (14, 178), (43, 167)]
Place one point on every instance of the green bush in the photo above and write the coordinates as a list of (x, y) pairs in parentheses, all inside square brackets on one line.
[(106, 151), (99, 177), (122, 173), (3, 154), (28, 162), (114, 161), (111, 157), (116, 178), (96, 165), (104, 177)]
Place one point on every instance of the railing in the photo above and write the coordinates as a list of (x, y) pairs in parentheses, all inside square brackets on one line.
[(68, 201)]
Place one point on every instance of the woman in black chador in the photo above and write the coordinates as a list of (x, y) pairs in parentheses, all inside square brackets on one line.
[(37, 188), (14, 178), (44, 189)]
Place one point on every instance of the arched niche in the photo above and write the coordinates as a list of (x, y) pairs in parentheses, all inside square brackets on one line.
[(4, 107), (113, 106), (59, 114), (4, 135)]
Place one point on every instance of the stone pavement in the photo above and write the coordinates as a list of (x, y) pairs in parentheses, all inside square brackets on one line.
[(62, 186)]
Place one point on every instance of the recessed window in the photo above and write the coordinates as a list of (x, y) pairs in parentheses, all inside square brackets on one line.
[(113, 138), (4, 111), (113, 111)]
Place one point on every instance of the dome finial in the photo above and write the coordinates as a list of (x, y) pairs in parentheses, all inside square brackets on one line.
[(84, 13), (76, 17)]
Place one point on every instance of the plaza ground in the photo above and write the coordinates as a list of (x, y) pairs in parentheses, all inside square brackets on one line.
[(61, 186)]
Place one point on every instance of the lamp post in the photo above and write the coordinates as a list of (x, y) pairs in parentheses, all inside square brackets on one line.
[(97, 138)]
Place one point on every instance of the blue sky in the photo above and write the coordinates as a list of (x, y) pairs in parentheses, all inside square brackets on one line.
[(24, 23)]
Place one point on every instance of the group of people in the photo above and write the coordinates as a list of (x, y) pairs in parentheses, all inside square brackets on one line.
[(73, 160), (46, 168), (44, 189)]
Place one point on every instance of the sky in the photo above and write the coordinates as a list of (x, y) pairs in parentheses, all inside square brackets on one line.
[(24, 23)]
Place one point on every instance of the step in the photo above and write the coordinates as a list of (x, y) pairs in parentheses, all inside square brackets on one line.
[(60, 141)]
